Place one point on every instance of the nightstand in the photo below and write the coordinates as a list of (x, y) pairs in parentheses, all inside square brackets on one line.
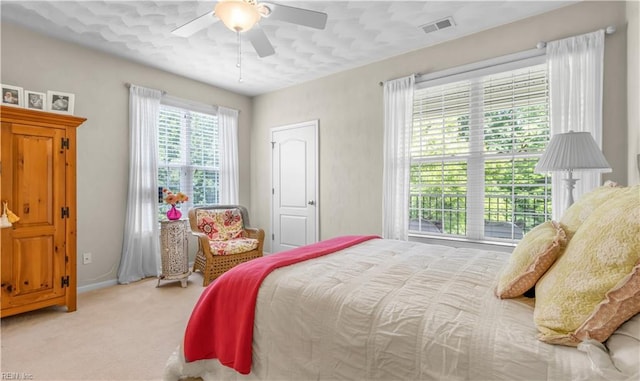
[(173, 251)]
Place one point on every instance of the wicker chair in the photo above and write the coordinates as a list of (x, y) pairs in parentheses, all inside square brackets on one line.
[(217, 253)]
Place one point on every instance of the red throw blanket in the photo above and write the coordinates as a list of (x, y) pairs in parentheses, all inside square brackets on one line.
[(221, 324)]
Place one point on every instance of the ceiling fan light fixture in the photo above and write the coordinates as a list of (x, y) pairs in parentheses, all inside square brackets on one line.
[(237, 15)]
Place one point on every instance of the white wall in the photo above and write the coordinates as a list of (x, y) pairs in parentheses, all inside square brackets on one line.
[(39, 63), (349, 108)]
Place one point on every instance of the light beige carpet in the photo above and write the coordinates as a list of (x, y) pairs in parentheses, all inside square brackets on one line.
[(124, 332)]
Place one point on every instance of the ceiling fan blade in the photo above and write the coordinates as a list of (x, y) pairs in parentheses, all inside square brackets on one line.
[(195, 25), (300, 16), (260, 41)]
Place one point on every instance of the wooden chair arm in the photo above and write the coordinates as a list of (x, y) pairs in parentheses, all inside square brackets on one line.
[(256, 234), (200, 235), (203, 241)]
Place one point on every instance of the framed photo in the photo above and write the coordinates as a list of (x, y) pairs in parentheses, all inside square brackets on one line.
[(35, 100), (12, 96), (60, 102)]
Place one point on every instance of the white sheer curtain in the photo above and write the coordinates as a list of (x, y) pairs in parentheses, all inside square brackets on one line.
[(228, 148), (575, 67), (141, 247), (398, 108)]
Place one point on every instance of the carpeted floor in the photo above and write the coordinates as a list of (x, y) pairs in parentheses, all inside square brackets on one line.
[(124, 332)]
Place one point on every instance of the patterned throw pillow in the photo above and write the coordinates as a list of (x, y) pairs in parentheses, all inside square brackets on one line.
[(207, 225), (594, 286), (220, 224), (577, 213), (533, 256), (231, 221)]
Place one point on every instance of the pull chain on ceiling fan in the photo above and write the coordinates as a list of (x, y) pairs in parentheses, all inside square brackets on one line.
[(239, 63), (243, 16)]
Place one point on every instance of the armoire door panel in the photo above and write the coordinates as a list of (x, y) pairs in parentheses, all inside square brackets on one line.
[(38, 175), (36, 266)]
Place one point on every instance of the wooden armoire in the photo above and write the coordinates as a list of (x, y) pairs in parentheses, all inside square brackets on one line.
[(38, 182)]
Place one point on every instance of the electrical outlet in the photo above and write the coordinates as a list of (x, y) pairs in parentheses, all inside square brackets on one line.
[(86, 258)]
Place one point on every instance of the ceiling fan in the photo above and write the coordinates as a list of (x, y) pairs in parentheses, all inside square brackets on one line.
[(244, 15)]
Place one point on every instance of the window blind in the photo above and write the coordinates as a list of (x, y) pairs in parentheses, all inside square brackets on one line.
[(474, 145), (188, 154)]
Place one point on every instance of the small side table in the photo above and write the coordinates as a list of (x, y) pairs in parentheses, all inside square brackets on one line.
[(173, 251)]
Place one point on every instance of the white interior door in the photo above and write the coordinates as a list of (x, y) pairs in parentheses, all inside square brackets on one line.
[(294, 180)]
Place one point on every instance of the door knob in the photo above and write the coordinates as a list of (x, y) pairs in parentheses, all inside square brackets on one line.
[(311, 202)]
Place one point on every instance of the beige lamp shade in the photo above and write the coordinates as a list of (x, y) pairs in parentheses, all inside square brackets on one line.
[(572, 151), (237, 15)]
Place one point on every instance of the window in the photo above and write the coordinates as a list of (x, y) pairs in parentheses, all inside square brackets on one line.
[(188, 156), (475, 143)]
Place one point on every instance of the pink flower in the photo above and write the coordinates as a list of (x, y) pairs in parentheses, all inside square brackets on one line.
[(174, 198)]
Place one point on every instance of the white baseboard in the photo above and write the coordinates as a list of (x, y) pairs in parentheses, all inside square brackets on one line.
[(96, 286), (106, 283)]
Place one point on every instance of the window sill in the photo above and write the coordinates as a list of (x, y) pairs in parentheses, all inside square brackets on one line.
[(463, 242)]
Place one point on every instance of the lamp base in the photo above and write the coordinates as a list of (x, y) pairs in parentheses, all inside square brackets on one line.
[(570, 182)]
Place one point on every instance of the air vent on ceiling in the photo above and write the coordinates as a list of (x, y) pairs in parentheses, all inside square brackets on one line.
[(437, 25)]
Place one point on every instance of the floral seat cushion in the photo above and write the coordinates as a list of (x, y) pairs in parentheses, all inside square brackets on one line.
[(233, 246), (220, 224)]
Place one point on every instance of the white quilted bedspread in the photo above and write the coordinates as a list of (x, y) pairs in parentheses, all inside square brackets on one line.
[(391, 310)]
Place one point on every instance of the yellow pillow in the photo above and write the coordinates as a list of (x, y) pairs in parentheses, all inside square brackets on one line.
[(534, 254), (593, 287), (577, 213)]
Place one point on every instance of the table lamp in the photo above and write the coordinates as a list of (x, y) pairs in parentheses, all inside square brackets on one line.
[(572, 151)]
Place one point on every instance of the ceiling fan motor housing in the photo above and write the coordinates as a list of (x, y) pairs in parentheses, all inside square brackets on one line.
[(238, 15)]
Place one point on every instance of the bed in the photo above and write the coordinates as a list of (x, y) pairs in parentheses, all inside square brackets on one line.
[(383, 309)]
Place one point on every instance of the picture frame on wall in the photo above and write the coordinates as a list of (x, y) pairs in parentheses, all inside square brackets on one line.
[(35, 100), (60, 102), (12, 96)]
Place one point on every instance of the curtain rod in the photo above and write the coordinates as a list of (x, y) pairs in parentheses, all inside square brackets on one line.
[(128, 86), (608, 30), (540, 45), (381, 83)]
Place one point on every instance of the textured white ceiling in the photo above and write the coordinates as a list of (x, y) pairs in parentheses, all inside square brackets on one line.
[(357, 33)]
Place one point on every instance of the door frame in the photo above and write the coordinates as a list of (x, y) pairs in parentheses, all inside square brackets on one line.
[(310, 123)]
